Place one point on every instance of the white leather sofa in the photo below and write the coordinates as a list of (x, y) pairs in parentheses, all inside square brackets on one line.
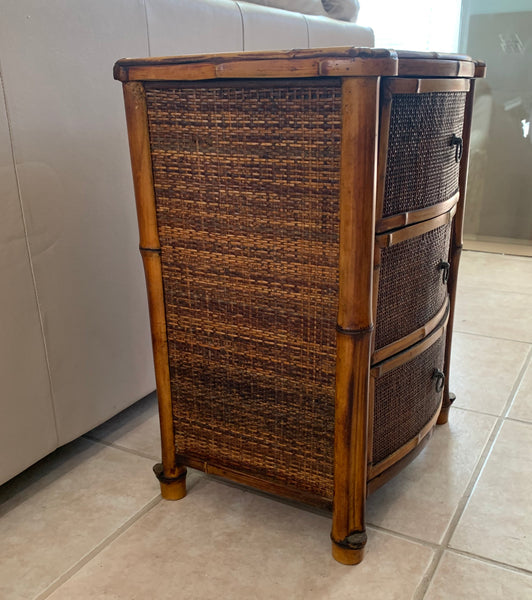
[(74, 337)]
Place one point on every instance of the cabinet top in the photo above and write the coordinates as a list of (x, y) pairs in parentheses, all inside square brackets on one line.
[(314, 62)]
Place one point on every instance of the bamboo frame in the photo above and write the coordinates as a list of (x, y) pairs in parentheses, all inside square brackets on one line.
[(171, 475), (456, 251), (343, 61), (355, 319)]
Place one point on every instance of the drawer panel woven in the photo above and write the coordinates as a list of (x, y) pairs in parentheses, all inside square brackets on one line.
[(421, 168), (411, 285), (406, 398), (247, 186)]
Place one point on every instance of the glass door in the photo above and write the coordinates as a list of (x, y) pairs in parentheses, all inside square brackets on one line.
[(499, 194)]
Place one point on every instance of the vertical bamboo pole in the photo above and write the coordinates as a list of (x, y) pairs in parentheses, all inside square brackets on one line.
[(456, 250), (172, 476), (360, 100)]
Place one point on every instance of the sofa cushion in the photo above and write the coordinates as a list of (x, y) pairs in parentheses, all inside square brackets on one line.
[(345, 10), (307, 7)]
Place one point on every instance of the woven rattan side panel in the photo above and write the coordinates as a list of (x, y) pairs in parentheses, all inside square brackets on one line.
[(421, 168), (411, 288), (405, 400), (247, 187)]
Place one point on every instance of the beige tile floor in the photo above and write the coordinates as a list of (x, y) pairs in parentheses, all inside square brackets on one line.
[(87, 522)]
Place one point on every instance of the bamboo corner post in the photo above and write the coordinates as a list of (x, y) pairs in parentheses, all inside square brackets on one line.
[(457, 241), (355, 325), (171, 475)]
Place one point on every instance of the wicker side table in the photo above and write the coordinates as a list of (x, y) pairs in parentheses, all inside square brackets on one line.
[(300, 219)]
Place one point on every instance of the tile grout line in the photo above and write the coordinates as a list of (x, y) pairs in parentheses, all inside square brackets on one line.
[(519, 380), (475, 476), (485, 288), (510, 252), (404, 536), (516, 420), (437, 546), (69, 573), (490, 414), (491, 337), (122, 448), (491, 561)]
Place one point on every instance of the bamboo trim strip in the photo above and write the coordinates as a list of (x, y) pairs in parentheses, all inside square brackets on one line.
[(391, 62), (264, 484), (385, 240), (384, 135), (411, 338), (456, 247), (436, 68), (407, 355), (374, 59), (375, 470), (416, 216), (260, 69), (425, 86), (378, 481), (269, 68), (291, 68), (358, 67), (255, 84)]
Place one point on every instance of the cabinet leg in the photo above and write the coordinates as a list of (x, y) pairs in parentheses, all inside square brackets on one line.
[(351, 550), (172, 488), (444, 412)]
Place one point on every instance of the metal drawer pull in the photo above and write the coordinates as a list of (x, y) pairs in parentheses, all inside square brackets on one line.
[(439, 376), (457, 141), (445, 268)]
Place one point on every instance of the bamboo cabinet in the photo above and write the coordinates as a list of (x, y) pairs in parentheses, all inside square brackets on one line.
[(300, 218)]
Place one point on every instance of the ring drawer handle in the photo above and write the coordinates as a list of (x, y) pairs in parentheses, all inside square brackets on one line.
[(445, 267), (439, 376), (458, 142)]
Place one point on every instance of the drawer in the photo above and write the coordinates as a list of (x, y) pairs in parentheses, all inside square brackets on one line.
[(420, 151), (407, 392), (411, 284)]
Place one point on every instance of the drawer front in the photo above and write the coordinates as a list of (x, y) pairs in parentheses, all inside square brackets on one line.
[(422, 164), (406, 397), (412, 288)]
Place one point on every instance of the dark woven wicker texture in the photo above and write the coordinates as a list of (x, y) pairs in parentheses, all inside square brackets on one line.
[(411, 289), (247, 188), (421, 169), (405, 400)]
